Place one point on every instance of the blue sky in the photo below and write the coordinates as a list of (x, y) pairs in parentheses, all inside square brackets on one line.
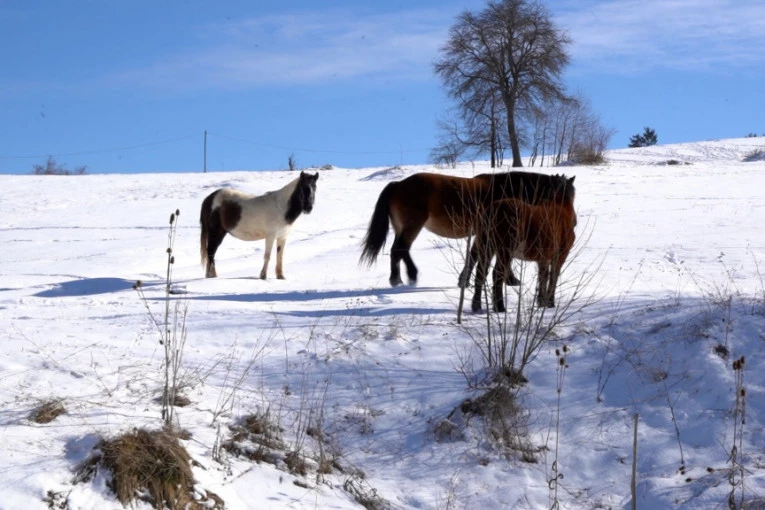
[(132, 86)]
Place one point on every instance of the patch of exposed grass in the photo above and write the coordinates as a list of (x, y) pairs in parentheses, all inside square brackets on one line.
[(256, 437), (47, 411)]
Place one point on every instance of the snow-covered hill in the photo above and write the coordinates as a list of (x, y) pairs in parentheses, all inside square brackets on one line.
[(676, 253)]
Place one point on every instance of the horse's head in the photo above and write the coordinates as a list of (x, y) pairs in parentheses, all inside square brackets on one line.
[(306, 190), (564, 189)]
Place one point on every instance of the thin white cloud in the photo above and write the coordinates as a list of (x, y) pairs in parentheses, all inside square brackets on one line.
[(306, 47), (640, 35)]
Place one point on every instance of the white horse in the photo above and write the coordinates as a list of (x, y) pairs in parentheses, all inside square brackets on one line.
[(251, 218)]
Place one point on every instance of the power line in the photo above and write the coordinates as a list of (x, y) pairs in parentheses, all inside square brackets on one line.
[(102, 151), (319, 151)]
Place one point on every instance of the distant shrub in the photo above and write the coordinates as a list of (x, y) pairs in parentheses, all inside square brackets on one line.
[(752, 135), (326, 167), (51, 167), (755, 155), (587, 156)]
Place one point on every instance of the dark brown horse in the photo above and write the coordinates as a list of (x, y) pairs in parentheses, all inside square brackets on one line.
[(511, 228), (445, 205)]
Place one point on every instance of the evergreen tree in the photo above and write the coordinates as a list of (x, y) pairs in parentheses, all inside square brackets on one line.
[(647, 138)]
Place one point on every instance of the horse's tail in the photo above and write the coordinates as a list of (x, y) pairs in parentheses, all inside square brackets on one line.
[(377, 233), (204, 221)]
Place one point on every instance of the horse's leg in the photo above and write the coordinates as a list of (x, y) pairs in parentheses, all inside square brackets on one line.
[(543, 283), (270, 238), (557, 265), (215, 236), (280, 242), (464, 279), (400, 251), (395, 258), (511, 278), (482, 268), (499, 276), (411, 269)]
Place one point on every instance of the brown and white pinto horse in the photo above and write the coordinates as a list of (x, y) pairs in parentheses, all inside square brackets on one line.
[(251, 218), (446, 205), (511, 228)]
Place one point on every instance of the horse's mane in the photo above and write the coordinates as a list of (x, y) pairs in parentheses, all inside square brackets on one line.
[(551, 185)]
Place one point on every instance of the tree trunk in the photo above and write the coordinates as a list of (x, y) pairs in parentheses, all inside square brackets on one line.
[(493, 144), (512, 133)]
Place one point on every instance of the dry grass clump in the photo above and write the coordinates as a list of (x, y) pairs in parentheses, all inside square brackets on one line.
[(257, 438), (47, 411), (505, 421), (177, 400), (154, 467)]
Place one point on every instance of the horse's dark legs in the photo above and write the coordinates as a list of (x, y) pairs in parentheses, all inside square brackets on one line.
[(554, 274), (511, 278), (545, 292), (482, 268), (215, 236), (398, 252), (473, 254), (499, 277)]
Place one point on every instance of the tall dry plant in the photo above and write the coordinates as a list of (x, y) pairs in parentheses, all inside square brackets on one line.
[(555, 474), (736, 459), (510, 337), (171, 328)]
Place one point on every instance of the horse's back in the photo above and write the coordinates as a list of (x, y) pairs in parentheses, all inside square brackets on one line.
[(438, 202), (249, 217)]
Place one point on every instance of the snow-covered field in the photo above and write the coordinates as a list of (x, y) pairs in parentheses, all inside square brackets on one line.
[(680, 257)]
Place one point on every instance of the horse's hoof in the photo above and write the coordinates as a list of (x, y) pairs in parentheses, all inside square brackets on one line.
[(513, 281), (395, 282), (280, 277), (500, 309)]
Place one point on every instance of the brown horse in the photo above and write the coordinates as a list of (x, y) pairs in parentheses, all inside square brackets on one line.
[(511, 228), (445, 205)]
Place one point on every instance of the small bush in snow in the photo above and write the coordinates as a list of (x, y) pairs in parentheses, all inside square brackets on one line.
[(51, 167)]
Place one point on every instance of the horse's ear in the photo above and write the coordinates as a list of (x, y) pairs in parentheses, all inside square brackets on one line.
[(315, 176), (571, 181)]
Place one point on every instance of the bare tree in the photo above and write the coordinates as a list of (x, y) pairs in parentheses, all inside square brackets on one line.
[(511, 50), (472, 130), (571, 132)]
